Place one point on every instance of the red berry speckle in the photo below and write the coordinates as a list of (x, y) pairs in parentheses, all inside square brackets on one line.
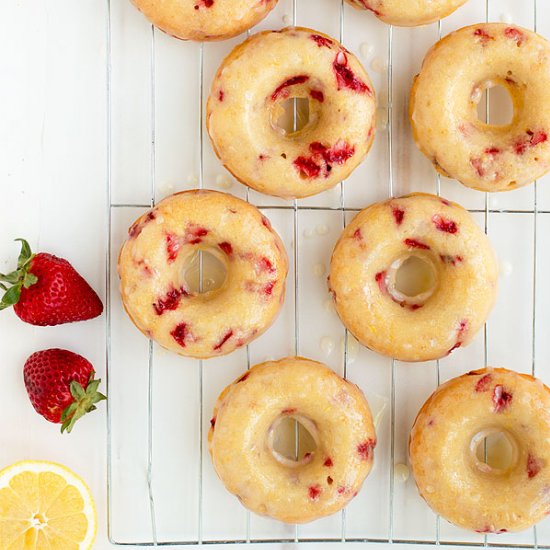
[(243, 377), (290, 410), (483, 36), (307, 168), (322, 158), (357, 235), (398, 215), (268, 288), (317, 95), (195, 234), (173, 245), (328, 462), (204, 4), (501, 398), (181, 334), (225, 338), (226, 247), (515, 34), (265, 265), (314, 492), (282, 91), (534, 466), (370, 8), (461, 330), (213, 422), (413, 243), (442, 224), (345, 78), (137, 228), (170, 301), (365, 449), (484, 383), (451, 260), (532, 139), (221, 95), (380, 278), (321, 41)]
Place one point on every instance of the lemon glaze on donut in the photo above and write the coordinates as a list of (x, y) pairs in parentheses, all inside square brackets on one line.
[(445, 95), (454, 421), (408, 13), (155, 292), (335, 413), (371, 250), (246, 100), (204, 20)]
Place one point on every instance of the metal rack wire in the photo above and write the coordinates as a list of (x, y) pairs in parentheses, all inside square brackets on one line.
[(295, 208)]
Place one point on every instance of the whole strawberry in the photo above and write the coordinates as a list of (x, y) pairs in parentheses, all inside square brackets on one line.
[(61, 386), (46, 290)]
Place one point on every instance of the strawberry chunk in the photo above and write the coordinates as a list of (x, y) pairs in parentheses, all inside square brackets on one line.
[(282, 90), (445, 225), (501, 399), (345, 77), (414, 243), (365, 449), (321, 41)]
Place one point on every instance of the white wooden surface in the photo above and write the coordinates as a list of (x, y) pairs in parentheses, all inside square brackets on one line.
[(53, 167)]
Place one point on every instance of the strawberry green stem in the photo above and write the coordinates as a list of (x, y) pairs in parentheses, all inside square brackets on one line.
[(18, 279), (84, 402)]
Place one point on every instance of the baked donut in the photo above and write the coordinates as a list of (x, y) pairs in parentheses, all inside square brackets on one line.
[(152, 269), (447, 439), (204, 20), (409, 13), (445, 308), (445, 95), (334, 412), (246, 103)]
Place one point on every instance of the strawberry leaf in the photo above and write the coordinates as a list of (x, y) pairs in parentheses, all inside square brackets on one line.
[(25, 255), (20, 278), (84, 402), (12, 277), (11, 297), (77, 391), (29, 280), (68, 412)]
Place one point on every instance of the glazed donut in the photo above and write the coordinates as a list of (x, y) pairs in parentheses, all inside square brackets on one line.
[(448, 431), (448, 307), (246, 102), (337, 416), (204, 20), (445, 95), (408, 13), (154, 289)]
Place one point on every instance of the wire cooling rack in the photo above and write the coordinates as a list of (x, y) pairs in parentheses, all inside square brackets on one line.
[(162, 488)]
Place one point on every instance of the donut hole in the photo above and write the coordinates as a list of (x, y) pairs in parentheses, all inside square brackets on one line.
[(499, 101), (292, 440), (204, 272), (291, 116), (412, 279), (494, 451)]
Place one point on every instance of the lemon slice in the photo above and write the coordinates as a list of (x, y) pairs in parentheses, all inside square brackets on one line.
[(45, 506)]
